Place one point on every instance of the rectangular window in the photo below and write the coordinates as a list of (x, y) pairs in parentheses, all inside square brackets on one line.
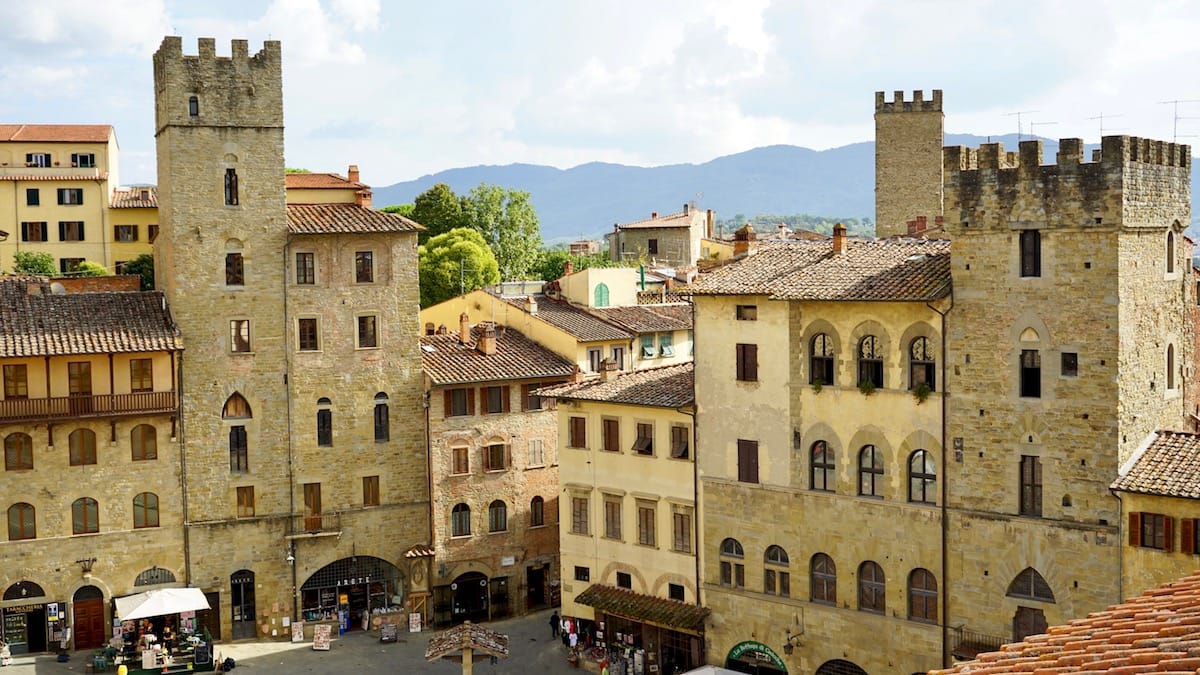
[(34, 231), (612, 518), (367, 336), (537, 453), (33, 197), (747, 362), (234, 271), (1031, 485), (648, 350), (497, 399), (610, 434), (644, 443), (70, 230), (38, 159), (370, 490), (239, 335), (70, 196), (747, 313), (681, 530), (69, 265), (747, 461), (1031, 374), (594, 357), (461, 461), (306, 269), (125, 233), (1152, 530), (364, 267), (579, 515), (141, 375), (1031, 253), (618, 357), (624, 580), (582, 573), (245, 501), (459, 402), (666, 345), (83, 160), (306, 332), (680, 440), (16, 381), (324, 427), (652, 246), (231, 187), (646, 516), (1070, 364), (495, 456), (577, 432), (239, 457), (675, 592)]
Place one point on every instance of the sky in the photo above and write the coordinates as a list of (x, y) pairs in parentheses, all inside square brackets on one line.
[(405, 88)]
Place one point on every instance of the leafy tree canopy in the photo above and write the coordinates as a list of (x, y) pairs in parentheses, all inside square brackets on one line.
[(508, 222), (34, 262), (551, 263), (766, 224), (453, 263), (439, 210), (143, 266), (289, 169), (405, 210), (87, 268)]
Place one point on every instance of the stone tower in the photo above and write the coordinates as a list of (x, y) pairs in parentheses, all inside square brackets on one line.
[(908, 161)]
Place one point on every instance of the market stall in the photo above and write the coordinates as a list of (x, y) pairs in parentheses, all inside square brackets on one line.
[(158, 633)]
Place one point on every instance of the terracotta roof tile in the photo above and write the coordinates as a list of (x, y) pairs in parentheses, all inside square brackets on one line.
[(1168, 465), (1158, 631), (131, 198), (627, 603), (664, 387), (680, 219), (36, 322), (318, 181), (649, 318), (577, 322), (448, 361), (344, 219), (479, 638), (56, 133)]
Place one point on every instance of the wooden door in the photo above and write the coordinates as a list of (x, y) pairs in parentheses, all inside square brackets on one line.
[(312, 507), (1028, 621), (79, 379), (88, 622)]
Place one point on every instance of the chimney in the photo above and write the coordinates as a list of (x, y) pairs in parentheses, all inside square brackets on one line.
[(363, 198), (487, 340), (442, 330), (352, 173), (653, 215), (839, 238), (568, 268), (710, 224), (531, 305), (464, 328), (687, 208), (608, 370), (743, 240)]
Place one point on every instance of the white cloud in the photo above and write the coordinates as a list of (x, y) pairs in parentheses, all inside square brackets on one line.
[(84, 26)]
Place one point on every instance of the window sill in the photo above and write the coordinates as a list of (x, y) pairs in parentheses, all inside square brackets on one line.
[(365, 349), (495, 470), (235, 353), (490, 533), (460, 475), (535, 466), (309, 351), (454, 537), (538, 527)]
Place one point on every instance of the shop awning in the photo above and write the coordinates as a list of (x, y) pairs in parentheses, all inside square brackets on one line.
[(646, 608), (161, 601)]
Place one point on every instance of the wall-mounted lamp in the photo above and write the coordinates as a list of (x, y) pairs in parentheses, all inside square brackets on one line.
[(789, 645), (85, 566), (291, 554)]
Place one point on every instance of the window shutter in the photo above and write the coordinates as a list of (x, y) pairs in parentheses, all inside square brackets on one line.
[(752, 363), (1168, 533), (82, 236), (449, 403), (506, 396), (24, 231), (524, 397), (1187, 535), (62, 228), (470, 401), (507, 456), (1135, 529)]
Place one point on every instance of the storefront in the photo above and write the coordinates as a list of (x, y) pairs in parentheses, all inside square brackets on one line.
[(350, 590), (754, 657), (24, 617), (642, 634)]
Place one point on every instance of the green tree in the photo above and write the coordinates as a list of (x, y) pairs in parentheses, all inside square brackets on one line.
[(508, 222), (87, 268), (405, 210), (439, 210), (288, 169), (34, 262), (143, 266), (453, 263), (551, 263)]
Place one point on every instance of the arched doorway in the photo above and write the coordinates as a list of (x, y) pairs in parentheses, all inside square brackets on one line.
[(25, 624), (349, 589), (88, 618), (241, 595), (840, 667), (754, 657), (469, 598)]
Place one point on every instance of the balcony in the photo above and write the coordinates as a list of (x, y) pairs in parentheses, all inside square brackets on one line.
[(62, 171), (968, 643), (14, 410), (316, 525)]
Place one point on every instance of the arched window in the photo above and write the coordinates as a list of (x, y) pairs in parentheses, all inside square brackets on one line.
[(497, 516), (18, 452), (460, 521), (144, 439), (870, 472), (236, 407), (822, 575), (922, 478), (872, 587), (193, 106), (922, 596), (733, 570), (145, 510), (85, 516), (870, 362), (821, 360), (821, 468), (1030, 585), (1170, 366), (777, 580), (921, 370), (324, 423), (537, 512), (1170, 252), (21, 522), (154, 575), (601, 295), (82, 444), (382, 421), (231, 187)]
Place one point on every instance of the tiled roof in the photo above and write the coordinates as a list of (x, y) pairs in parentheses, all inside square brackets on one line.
[(680, 219), (664, 387), (448, 361), (576, 321), (479, 638), (36, 322), (56, 133), (897, 269), (344, 219), (131, 198), (1156, 632), (649, 318), (1168, 465), (627, 603), (318, 181)]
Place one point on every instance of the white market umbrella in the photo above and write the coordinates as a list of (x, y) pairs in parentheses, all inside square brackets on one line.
[(161, 601)]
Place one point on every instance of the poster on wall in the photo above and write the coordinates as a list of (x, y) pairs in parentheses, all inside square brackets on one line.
[(321, 636)]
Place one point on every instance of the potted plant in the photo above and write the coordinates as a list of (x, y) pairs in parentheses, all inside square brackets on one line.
[(921, 392), (817, 385), (867, 387)]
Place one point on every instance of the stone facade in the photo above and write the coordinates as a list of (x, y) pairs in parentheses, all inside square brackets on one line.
[(908, 160), (671, 239)]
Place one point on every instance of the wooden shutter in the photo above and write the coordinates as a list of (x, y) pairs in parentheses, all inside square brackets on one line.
[(1135, 529), (506, 398), (1168, 533), (470, 395), (24, 231), (62, 228), (752, 363), (448, 394), (524, 397), (1187, 535)]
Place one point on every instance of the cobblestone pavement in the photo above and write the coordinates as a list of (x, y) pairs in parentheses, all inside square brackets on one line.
[(531, 650)]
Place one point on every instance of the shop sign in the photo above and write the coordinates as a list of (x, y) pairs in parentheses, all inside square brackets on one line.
[(52, 611), (756, 651), (354, 581), (21, 609)]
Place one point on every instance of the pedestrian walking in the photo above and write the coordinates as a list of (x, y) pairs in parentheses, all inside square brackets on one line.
[(555, 624)]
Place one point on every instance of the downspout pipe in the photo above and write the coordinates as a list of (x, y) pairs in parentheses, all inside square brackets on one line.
[(945, 490)]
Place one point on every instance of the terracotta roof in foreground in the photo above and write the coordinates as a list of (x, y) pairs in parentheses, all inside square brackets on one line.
[(344, 219), (36, 322), (449, 361), (663, 387), (320, 181), (576, 321), (131, 198), (56, 133), (649, 318), (479, 638), (1167, 465), (1155, 632), (680, 219), (627, 603)]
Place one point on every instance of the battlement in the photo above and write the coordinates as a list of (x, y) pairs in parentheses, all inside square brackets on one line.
[(917, 104), (172, 48), (206, 90), (1115, 153)]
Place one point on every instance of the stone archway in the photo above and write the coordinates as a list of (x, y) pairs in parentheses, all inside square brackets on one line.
[(840, 667), (87, 610)]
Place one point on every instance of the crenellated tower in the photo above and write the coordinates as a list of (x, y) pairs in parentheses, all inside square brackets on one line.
[(908, 161)]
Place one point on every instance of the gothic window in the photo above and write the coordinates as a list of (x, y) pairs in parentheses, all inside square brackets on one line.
[(821, 468), (921, 364), (870, 362), (821, 360), (1170, 252), (231, 187), (870, 472), (922, 478), (1030, 585), (236, 407)]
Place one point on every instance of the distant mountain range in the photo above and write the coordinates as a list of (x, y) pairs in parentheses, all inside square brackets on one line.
[(585, 201)]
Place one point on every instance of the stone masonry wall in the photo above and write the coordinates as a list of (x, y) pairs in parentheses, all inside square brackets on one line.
[(908, 160)]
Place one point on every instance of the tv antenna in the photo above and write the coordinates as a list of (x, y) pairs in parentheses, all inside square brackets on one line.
[(1175, 114), (1037, 124), (1018, 116), (1100, 117)]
